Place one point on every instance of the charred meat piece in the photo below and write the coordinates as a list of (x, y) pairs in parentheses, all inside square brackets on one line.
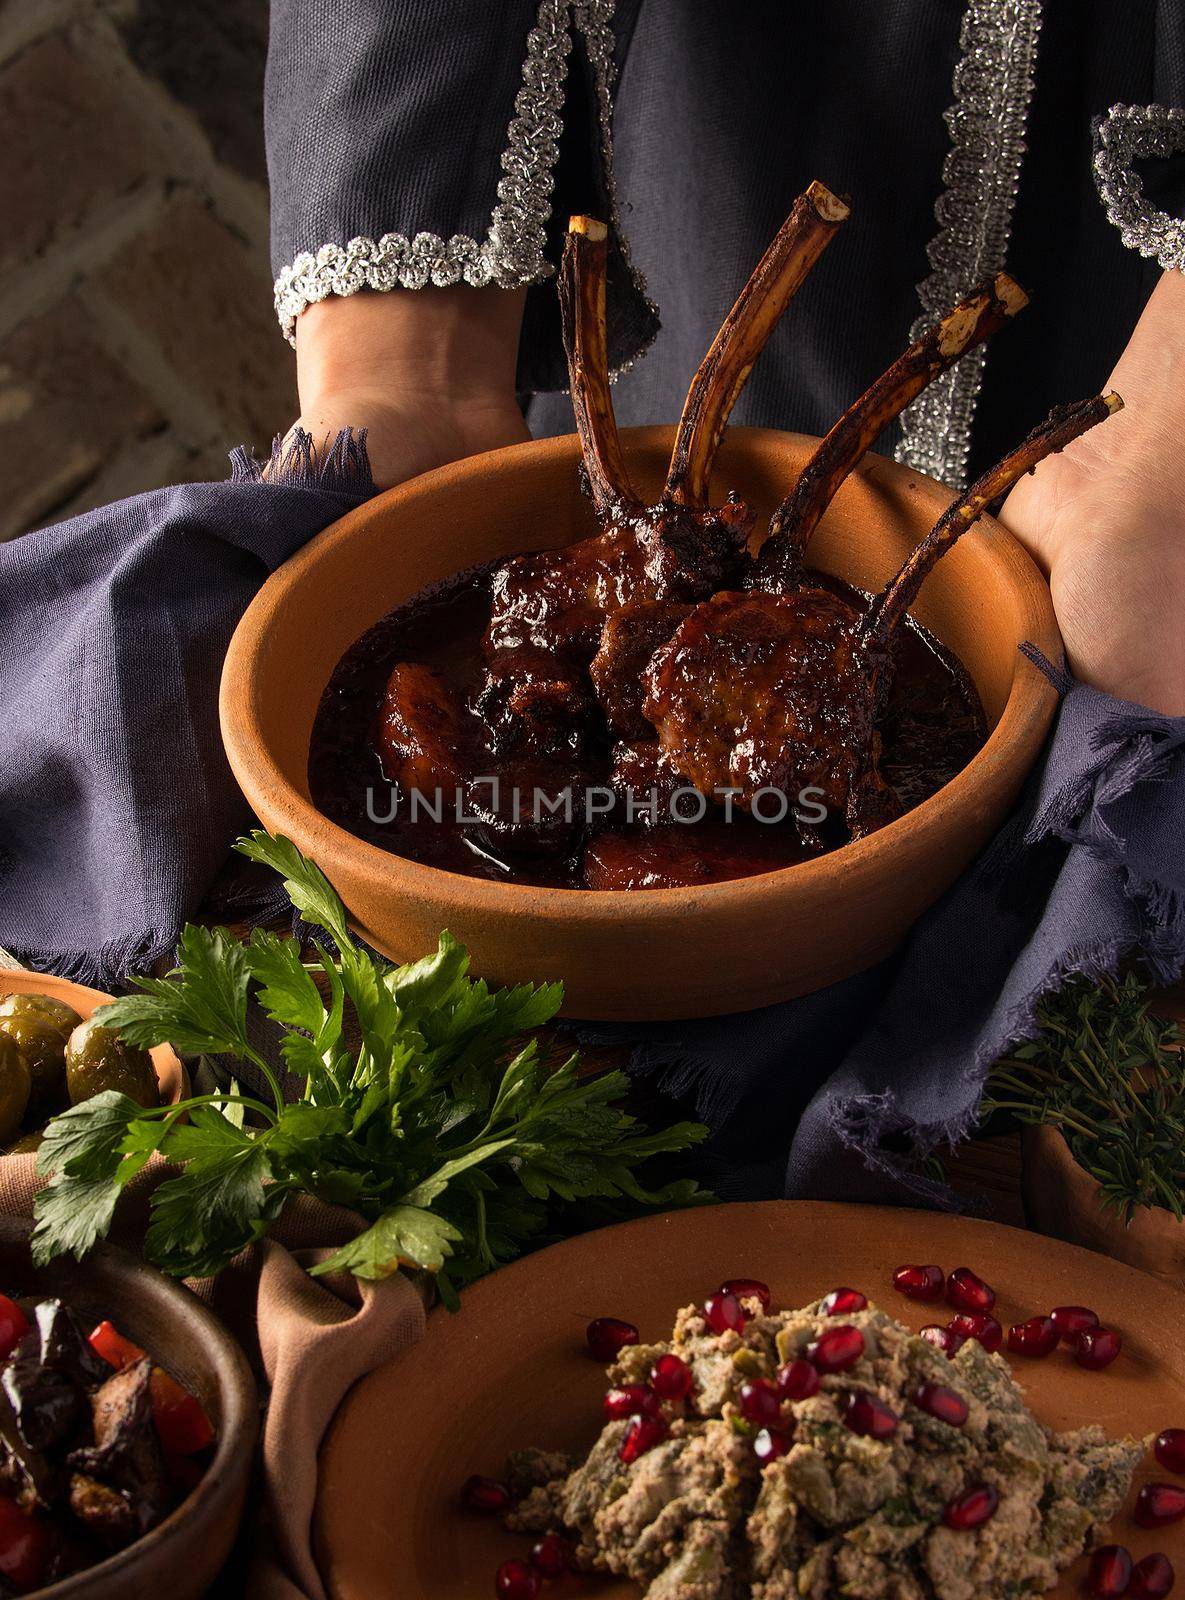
[(784, 691), (529, 807), (679, 550), (759, 691), (427, 739), (125, 1458), (628, 640), (644, 780)]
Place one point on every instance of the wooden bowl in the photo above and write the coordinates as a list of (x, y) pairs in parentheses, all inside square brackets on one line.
[(182, 1555), (510, 1369), (170, 1073), (662, 953)]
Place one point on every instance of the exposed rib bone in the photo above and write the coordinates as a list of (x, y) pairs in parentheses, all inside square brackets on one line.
[(582, 310), (1063, 425), (801, 240), (970, 322)]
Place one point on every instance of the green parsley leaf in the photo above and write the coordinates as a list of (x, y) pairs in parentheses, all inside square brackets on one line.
[(403, 1236), (201, 1009), (71, 1216)]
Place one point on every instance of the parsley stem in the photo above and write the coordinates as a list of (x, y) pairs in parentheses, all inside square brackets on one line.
[(174, 1107), (273, 1082)]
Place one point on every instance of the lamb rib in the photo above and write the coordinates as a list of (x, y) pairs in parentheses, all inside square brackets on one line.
[(967, 325), (814, 220)]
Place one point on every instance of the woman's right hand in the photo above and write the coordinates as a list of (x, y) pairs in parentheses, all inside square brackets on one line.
[(429, 373)]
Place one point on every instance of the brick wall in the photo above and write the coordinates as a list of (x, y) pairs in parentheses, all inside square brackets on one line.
[(137, 339)]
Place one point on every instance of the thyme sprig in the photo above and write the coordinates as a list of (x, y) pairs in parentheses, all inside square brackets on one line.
[(1111, 1076)]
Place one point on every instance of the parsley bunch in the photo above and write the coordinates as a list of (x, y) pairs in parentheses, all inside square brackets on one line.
[(458, 1142)]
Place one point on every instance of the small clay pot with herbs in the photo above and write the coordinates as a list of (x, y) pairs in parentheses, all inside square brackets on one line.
[(1100, 1094)]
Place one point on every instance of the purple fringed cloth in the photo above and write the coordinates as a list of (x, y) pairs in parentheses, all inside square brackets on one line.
[(117, 810), (117, 806), (862, 1081)]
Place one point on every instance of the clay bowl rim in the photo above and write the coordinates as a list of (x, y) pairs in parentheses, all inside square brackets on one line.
[(170, 1069), (1023, 721), (119, 1275)]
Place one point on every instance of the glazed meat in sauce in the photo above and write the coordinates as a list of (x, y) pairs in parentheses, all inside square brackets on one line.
[(674, 700)]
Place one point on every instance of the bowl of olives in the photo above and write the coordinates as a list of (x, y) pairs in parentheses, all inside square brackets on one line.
[(53, 1055)]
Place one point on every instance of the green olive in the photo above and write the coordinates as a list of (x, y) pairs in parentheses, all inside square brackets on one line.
[(97, 1059), (40, 1027), (27, 1143), (15, 1083)]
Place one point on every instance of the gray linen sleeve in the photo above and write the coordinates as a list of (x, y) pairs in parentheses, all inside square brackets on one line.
[(415, 142)]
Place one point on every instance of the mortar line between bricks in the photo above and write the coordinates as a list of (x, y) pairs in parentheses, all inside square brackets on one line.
[(23, 25), (142, 356), (239, 202), (32, 287)]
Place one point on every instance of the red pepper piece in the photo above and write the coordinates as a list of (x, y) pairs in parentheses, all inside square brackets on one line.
[(182, 1427), (118, 1352)]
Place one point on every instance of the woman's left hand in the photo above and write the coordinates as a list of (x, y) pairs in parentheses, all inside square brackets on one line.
[(1105, 520)]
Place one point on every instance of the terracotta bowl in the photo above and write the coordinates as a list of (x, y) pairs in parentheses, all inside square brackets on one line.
[(182, 1555), (170, 1073), (663, 953), (1062, 1200)]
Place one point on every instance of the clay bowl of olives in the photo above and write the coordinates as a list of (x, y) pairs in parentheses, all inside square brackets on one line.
[(53, 1056)]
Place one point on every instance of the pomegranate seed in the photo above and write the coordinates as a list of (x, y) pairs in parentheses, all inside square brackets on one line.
[(836, 1349), (972, 1508), (724, 1313), (759, 1402), (948, 1340), (843, 1303), (1036, 1337), (770, 1444), (550, 1555), (1097, 1348), (1110, 1571), (798, 1380), (670, 1377), (748, 1289), (1158, 1504), (945, 1404), (631, 1400), (608, 1336), (1169, 1449), (14, 1325), (920, 1283), (1152, 1578), (967, 1291), (1073, 1320), (979, 1326), (642, 1434), (865, 1414), (486, 1496), (517, 1581)]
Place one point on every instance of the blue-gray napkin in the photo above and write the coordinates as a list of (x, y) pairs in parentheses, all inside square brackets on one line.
[(117, 806)]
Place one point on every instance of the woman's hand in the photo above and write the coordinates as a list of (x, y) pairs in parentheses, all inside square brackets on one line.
[(1106, 521), (429, 373)]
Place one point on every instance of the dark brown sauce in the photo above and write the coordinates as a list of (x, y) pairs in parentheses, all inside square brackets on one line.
[(933, 726)]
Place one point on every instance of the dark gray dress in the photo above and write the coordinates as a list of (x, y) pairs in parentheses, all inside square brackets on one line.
[(433, 140)]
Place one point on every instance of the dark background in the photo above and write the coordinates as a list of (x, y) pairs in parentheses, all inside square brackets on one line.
[(137, 338)]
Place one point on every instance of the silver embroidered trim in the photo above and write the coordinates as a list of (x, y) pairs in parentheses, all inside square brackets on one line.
[(993, 85), (1126, 134), (512, 252)]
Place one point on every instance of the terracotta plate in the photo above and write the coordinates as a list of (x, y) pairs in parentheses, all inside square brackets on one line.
[(170, 1074), (510, 1370)]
